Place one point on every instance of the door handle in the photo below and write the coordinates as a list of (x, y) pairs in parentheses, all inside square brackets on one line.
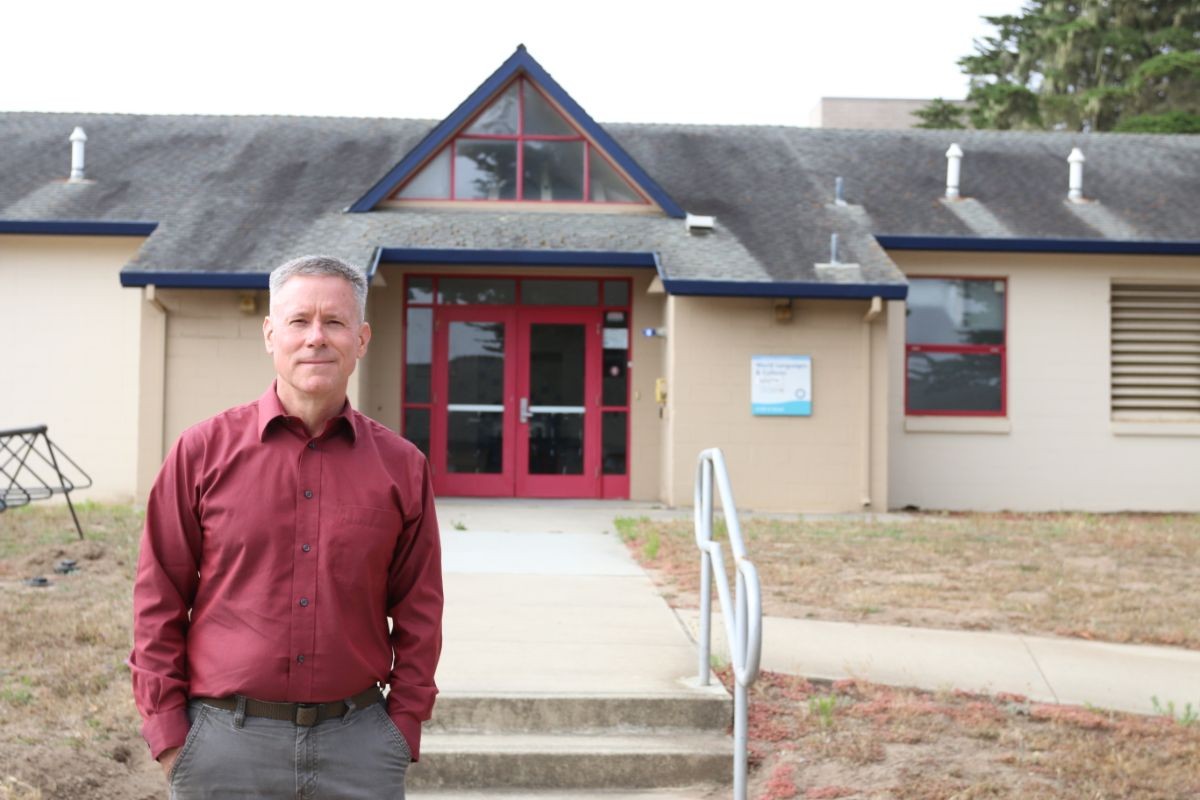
[(524, 410)]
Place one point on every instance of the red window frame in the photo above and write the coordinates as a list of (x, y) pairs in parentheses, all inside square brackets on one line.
[(970, 349), (520, 138)]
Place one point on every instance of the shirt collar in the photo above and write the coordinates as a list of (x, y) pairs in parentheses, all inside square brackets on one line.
[(270, 409)]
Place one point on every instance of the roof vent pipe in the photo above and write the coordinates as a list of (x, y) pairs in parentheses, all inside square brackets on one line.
[(839, 191), (833, 254), (953, 170), (78, 140), (1075, 180)]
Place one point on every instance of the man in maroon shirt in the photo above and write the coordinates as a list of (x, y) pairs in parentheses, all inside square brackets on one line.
[(280, 537)]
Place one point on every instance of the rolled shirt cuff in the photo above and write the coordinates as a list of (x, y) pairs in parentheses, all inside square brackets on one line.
[(165, 730), (410, 727)]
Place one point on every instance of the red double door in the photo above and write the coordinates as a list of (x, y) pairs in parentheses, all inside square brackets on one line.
[(516, 407)]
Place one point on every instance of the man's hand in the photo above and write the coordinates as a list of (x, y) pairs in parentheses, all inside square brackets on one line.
[(167, 759)]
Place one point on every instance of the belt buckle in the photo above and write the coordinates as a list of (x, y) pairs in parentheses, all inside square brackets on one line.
[(306, 714)]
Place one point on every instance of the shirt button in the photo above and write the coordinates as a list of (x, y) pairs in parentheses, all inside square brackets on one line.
[(306, 547), (304, 602), (300, 659), (308, 494), (312, 445)]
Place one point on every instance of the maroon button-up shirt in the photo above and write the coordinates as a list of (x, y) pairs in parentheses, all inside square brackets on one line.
[(271, 561)]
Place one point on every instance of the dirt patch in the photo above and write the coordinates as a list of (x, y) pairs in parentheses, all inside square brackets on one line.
[(1117, 578), (857, 740), (68, 726)]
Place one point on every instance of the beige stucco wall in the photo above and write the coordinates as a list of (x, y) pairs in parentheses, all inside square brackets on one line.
[(1058, 447), (70, 336), (214, 356), (834, 460), (382, 370)]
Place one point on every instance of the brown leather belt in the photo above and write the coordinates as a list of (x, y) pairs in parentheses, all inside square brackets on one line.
[(303, 714)]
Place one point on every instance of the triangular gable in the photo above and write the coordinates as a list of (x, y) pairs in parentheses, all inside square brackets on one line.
[(519, 63)]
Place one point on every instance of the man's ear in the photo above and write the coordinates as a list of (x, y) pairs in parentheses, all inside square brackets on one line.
[(268, 333), (364, 336)]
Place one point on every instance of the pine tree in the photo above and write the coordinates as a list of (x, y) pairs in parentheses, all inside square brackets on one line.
[(1089, 65)]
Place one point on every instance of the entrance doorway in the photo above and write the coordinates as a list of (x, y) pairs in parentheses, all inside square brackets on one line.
[(527, 386)]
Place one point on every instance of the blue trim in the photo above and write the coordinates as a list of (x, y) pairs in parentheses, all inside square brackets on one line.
[(517, 258), (373, 267), (65, 227), (980, 244), (520, 61), (196, 280), (839, 291)]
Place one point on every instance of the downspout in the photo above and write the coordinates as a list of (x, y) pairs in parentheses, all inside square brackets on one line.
[(873, 311)]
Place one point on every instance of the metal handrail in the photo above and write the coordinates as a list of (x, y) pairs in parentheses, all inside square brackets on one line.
[(745, 608)]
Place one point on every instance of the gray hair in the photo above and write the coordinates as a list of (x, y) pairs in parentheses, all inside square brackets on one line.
[(322, 265)]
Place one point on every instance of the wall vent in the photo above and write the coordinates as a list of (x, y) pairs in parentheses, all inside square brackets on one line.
[(1156, 349)]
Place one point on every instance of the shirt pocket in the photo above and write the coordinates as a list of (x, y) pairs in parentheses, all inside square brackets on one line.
[(362, 542)]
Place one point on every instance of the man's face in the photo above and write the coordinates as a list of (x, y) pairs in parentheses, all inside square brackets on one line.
[(314, 335)]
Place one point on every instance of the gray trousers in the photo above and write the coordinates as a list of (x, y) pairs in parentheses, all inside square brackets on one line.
[(359, 756)]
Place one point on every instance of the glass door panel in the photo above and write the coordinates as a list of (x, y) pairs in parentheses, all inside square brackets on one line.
[(558, 423), (555, 408), (474, 372)]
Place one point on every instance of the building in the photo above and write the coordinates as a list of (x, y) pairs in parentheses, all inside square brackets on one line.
[(563, 308), (869, 113)]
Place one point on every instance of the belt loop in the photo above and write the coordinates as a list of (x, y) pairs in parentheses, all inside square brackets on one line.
[(350, 709), (239, 715)]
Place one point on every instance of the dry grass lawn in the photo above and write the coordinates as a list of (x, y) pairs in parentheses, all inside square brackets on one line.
[(864, 742), (68, 726), (1117, 578)]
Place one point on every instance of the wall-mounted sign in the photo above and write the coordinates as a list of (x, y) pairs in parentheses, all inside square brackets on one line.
[(781, 386), (616, 338)]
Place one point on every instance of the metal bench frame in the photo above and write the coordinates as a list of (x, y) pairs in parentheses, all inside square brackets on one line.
[(31, 468)]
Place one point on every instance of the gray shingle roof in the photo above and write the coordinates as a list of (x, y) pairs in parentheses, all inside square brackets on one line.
[(242, 194)]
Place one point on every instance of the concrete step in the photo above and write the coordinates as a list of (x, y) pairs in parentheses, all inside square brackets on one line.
[(564, 761), (700, 709)]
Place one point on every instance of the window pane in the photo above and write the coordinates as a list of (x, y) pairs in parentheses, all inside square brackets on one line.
[(416, 428), (476, 363), (541, 118), (556, 444), (432, 182), (613, 442), (474, 442), (418, 355), (615, 389), (947, 311), (500, 118), (553, 171), (560, 293), (954, 382), (420, 290), (616, 293), (607, 186), (466, 291), (485, 170), (556, 365)]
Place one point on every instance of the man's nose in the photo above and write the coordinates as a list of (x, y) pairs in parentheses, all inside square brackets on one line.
[(316, 335)]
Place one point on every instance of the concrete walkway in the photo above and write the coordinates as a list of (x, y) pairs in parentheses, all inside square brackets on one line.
[(542, 594)]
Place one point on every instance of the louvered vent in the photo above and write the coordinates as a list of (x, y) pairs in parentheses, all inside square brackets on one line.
[(1156, 348)]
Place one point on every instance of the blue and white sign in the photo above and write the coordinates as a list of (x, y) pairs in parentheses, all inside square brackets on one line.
[(781, 386)]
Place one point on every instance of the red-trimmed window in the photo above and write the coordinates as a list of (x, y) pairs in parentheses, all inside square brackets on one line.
[(955, 357), (520, 147)]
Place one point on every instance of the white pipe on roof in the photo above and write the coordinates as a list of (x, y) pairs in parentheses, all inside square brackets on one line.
[(1075, 179), (78, 140), (953, 170)]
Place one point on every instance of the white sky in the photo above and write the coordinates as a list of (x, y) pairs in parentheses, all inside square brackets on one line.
[(734, 61)]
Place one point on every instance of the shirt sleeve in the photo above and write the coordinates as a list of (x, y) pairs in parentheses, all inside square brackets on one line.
[(415, 606), (163, 592)]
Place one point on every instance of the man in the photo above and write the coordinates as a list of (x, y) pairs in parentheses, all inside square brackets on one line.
[(280, 536)]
